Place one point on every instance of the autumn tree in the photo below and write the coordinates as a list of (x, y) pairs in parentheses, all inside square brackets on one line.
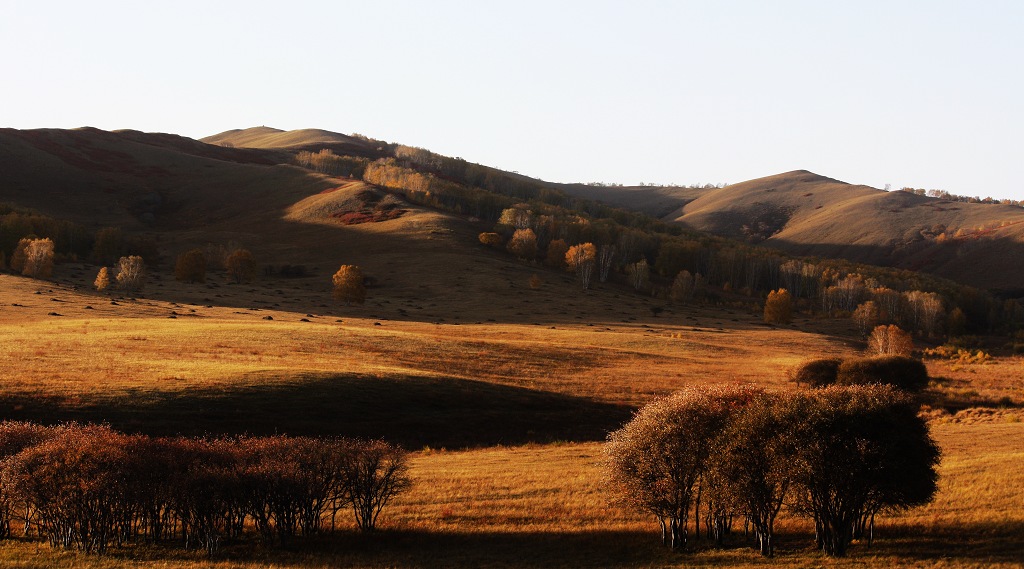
[(657, 460), (581, 259), (890, 340), (605, 261), (190, 266), (778, 307), (131, 274), (752, 462), (925, 310), (863, 449), (523, 244), (555, 257), (108, 245), (866, 316), (38, 258), (349, 285), (686, 287), (241, 266), (18, 256), (102, 281), (517, 217), (639, 274)]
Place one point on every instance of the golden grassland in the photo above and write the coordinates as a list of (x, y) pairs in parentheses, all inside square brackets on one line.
[(520, 392)]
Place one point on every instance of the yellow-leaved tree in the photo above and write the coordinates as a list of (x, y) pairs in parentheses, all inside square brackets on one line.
[(778, 307), (349, 285)]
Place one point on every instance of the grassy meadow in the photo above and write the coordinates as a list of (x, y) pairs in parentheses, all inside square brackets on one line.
[(503, 398)]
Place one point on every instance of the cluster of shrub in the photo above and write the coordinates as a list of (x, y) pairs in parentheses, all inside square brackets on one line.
[(838, 455), (89, 487), (903, 372)]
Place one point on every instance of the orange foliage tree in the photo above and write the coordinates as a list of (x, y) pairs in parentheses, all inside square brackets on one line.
[(349, 285), (778, 307), (523, 244), (190, 266), (581, 259)]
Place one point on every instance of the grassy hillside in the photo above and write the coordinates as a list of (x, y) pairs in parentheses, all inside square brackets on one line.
[(807, 214)]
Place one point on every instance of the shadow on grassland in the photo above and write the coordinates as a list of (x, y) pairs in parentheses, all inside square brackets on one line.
[(973, 544), (411, 411)]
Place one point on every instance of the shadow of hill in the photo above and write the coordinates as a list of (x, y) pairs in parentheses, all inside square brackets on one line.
[(411, 411), (980, 262)]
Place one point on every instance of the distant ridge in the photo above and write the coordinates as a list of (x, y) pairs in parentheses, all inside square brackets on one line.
[(270, 138), (804, 213)]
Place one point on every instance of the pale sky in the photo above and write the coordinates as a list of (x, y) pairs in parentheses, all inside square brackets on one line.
[(925, 94)]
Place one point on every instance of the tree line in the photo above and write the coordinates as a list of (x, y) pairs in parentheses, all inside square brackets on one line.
[(71, 241), (89, 487), (841, 455), (623, 239)]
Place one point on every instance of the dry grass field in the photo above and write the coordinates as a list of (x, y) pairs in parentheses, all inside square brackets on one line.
[(505, 416), (503, 391)]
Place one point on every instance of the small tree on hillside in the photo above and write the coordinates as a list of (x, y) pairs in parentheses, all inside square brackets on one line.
[(38, 259), (523, 244), (190, 266), (19, 255), (492, 240), (890, 340), (581, 259), (349, 284), (866, 316), (778, 307), (557, 249), (605, 261), (108, 245), (241, 266), (639, 274), (102, 281), (131, 274)]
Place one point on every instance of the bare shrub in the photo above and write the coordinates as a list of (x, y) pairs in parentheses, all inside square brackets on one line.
[(818, 373), (898, 371)]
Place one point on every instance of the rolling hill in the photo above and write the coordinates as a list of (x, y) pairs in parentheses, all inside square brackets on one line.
[(238, 185), (803, 213)]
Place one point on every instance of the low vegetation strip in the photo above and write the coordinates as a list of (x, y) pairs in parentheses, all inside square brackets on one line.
[(90, 487)]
